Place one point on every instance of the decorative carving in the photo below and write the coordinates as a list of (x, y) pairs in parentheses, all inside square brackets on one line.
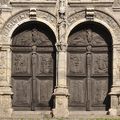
[(12, 23), (110, 21), (22, 16), (86, 37), (31, 37), (44, 91), (116, 4), (62, 21), (74, 17), (78, 39), (77, 92), (100, 64), (47, 16), (33, 13), (89, 13), (77, 64), (21, 64), (22, 93), (61, 46), (100, 15), (45, 63)]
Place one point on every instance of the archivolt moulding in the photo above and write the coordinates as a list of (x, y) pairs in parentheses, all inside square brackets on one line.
[(100, 17), (24, 16)]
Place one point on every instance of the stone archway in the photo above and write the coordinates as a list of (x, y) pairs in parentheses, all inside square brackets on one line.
[(33, 67), (89, 67)]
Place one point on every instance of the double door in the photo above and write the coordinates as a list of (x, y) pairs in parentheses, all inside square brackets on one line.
[(89, 69), (33, 62)]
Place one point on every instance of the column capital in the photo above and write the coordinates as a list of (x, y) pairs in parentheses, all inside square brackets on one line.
[(61, 47)]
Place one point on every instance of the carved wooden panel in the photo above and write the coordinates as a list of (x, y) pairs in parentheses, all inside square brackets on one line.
[(100, 64), (31, 37), (21, 64), (45, 64), (77, 92), (78, 39), (44, 91), (22, 92), (77, 64), (99, 93)]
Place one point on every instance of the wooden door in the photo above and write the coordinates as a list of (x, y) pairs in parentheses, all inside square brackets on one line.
[(33, 68), (89, 68)]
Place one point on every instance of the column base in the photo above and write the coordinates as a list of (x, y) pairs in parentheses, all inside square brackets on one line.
[(61, 103), (5, 102), (113, 112)]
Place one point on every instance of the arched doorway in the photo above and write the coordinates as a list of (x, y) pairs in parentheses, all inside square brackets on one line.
[(33, 67), (89, 67)]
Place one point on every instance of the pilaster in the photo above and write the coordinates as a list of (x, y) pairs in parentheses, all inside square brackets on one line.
[(5, 84)]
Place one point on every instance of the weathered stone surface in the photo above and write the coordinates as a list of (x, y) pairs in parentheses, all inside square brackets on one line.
[(61, 17)]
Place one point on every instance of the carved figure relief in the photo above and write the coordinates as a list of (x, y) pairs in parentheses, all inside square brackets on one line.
[(100, 64), (78, 39), (77, 64), (45, 64), (30, 38), (20, 63)]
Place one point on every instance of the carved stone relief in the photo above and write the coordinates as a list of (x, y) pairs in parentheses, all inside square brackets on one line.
[(110, 21), (116, 4), (77, 16), (47, 16), (100, 91), (2, 2)]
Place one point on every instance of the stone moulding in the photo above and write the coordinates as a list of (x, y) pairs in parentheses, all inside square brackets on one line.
[(24, 16), (75, 18)]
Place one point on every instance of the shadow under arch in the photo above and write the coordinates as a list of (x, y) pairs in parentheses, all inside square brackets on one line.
[(78, 41), (33, 43)]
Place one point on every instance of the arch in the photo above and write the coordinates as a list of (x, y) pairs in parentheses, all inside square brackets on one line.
[(33, 66), (100, 17), (23, 17), (90, 67), (97, 21)]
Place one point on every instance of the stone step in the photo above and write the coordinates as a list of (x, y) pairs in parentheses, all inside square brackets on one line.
[(74, 115)]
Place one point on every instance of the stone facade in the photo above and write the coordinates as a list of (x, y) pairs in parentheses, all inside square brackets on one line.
[(62, 16)]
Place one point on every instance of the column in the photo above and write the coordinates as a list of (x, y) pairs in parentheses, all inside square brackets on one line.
[(61, 91)]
